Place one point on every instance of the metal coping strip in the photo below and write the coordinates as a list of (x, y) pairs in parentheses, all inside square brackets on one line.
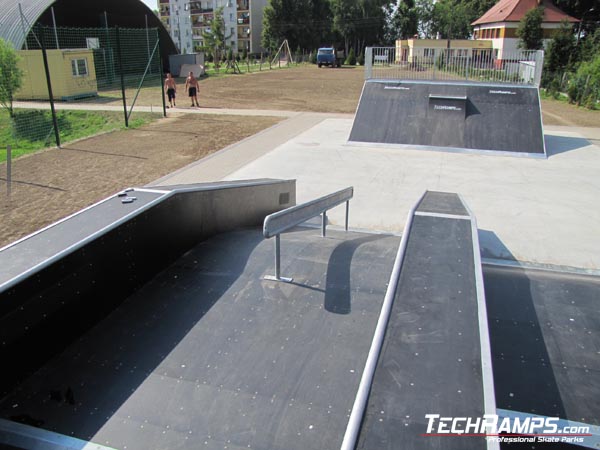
[(362, 395), (442, 215), (76, 246), (528, 265), (487, 374), (18, 434), (58, 222), (164, 195), (447, 97), (320, 204)]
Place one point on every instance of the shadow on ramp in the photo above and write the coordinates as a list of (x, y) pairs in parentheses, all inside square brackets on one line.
[(106, 366), (492, 247), (337, 291), (520, 358), (555, 145)]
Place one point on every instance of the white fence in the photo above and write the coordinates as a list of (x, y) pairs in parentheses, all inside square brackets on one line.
[(455, 64)]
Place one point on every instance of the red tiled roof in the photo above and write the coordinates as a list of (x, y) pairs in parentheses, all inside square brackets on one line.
[(514, 10)]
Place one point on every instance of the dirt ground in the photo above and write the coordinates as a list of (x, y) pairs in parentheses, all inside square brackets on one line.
[(52, 184), (308, 88)]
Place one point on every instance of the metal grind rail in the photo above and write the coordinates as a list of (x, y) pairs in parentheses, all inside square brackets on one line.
[(283, 220)]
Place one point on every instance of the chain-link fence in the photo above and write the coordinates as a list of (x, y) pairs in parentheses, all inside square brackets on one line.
[(113, 69)]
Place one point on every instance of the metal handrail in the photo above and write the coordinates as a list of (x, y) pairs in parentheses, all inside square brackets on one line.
[(283, 220)]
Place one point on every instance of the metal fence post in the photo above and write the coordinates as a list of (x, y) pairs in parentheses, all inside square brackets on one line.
[(369, 63), (119, 60), (162, 77), (49, 83), (324, 224), (539, 63), (8, 169)]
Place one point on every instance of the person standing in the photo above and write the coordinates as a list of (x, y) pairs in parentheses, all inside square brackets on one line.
[(191, 85), (171, 88)]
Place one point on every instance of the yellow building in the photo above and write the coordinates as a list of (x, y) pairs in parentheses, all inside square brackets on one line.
[(72, 72), (413, 50)]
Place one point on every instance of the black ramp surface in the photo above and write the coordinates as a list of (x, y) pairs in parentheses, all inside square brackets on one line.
[(431, 360), (545, 339), (210, 355), (457, 115), (442, 203)]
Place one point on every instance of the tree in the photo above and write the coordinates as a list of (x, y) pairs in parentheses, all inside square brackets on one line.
[(530, 33), (359, 22), (215, 39), (561, 49), (402, 20), (584, 88), (590, 46), (450, 19), (304, 23), (11, 76)]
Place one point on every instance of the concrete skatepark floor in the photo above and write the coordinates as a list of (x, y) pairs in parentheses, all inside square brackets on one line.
[(52, 187)]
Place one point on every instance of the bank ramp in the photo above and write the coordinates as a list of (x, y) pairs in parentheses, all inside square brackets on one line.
[(457, 116), (433, 358)]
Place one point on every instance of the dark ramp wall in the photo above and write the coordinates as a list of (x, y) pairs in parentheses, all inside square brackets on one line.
[(44, 310)]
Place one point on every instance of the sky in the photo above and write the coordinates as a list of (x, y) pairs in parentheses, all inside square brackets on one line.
[(152, 4)]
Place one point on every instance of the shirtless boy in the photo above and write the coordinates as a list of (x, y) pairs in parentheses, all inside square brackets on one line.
[(171, 88), (191, 85)]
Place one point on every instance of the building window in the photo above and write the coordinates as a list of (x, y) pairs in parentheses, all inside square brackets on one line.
[(79, 67)]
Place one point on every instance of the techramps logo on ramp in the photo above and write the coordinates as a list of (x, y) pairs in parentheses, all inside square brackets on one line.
[(513, 428), (447, 108)]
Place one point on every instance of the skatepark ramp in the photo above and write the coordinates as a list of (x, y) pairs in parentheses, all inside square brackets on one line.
[(431, 351), (171, 337), (458, 116), (146, 322), (60, 281)]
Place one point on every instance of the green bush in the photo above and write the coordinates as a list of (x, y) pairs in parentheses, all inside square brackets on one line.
[(584, 87), (351, 59), (313, 57)]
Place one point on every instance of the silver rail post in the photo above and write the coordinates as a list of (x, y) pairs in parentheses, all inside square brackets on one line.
[(347, 213), (8, 169), (277, 256), (278, 276), (324, 224)]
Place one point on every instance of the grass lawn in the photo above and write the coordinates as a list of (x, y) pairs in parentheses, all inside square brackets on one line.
[(32, 130)]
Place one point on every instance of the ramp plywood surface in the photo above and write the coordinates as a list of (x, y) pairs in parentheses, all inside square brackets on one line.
[(504, 118)]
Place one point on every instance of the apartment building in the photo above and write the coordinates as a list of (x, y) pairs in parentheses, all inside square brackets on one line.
[(186, 20)]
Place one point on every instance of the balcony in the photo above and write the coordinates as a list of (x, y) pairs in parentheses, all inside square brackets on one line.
[(243, 32), (243, 18), (243, 5)]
